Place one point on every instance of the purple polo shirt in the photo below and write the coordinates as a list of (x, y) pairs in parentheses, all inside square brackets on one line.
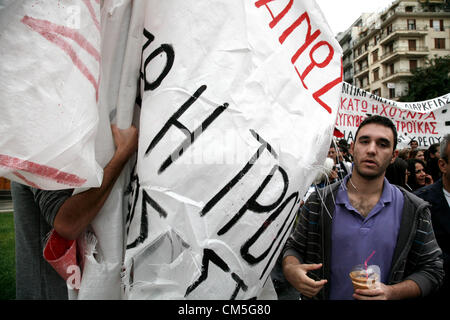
[(354, 238)]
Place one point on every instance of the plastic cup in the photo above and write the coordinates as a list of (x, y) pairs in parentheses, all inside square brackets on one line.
[(363, 278)]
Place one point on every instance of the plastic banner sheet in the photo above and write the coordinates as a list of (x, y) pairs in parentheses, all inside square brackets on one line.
[(238, 101), (49, 82)]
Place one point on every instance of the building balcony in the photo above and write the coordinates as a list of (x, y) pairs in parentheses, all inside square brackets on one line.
[(391, 76), (361, 71), (361, 56), (399, 52), (347, 63), (395, 11), (403, 32)]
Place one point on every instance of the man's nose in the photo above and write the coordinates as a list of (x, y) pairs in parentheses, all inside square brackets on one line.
[(372, 147)]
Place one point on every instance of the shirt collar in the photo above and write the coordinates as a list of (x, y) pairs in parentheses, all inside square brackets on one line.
[(342, 196)]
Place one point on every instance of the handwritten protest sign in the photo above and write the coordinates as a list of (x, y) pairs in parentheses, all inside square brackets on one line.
[(49, 79), (237, 104), (425, 121), (238, 101)]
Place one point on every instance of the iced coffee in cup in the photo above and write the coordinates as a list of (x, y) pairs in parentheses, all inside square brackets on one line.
[(365, 278)]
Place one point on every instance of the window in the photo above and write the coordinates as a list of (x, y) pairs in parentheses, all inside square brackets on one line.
[(377, 92), (391, 93), (409, 9), (375, 56), (412, 45), (437, 25), (439, 43), (391, 69), (411, 24), (375, 40), (376, 74), (389, 29), (412, 65)]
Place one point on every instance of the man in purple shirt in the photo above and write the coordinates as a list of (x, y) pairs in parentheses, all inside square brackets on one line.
[(342, 225)]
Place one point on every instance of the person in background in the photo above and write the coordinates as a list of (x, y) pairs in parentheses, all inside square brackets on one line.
[(343, 149), (343, 167), (396, 172), (404, 153), (432, 157), (413, 144), (438, 196), (417, 154), (417, 177), (37, 211), (361, 215)]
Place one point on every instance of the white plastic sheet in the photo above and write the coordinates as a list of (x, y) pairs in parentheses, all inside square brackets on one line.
[(49, 80), (239, 100)]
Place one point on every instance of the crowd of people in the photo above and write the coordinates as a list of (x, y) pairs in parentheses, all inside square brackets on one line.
[(369, 201), (377, 202)]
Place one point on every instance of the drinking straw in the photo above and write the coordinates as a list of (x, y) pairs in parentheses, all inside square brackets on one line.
[(365, 262)]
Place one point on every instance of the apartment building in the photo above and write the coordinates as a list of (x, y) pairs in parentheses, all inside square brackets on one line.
[(385, 47)]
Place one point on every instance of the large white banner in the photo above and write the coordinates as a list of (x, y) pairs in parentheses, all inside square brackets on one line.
[(424, 121), (49, 82), (238, 102)]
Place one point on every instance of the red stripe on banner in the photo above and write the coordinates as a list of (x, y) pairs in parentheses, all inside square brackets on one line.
[(41, 170), (28, 182), (50, 31), (92, 13)]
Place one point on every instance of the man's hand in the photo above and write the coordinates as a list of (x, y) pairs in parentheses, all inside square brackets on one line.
[(296, 274), (404, 290), (77, 212), (381, 292), (126, 141)]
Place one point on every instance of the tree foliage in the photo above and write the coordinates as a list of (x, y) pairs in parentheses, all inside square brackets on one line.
[(430, 81)]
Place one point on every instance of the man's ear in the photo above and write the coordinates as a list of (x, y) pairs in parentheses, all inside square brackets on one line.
[(442, 165), (350, 150)]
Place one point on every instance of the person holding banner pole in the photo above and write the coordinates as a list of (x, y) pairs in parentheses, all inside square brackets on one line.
[(363, 217), (37, 211)]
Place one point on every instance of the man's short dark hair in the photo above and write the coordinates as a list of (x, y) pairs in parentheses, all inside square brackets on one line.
[(381, 121), (433, 148), (443, 148)]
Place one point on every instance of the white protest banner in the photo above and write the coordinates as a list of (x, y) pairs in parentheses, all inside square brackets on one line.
[(54, 111), (49, 81), (238, 103), (425, 121)]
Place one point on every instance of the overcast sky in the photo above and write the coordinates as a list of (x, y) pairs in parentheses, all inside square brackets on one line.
[(340, 14)]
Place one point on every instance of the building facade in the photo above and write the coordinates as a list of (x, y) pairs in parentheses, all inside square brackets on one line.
[(385, 47)]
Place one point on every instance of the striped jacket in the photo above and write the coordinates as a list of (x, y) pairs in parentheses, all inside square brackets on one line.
[(416, 257)]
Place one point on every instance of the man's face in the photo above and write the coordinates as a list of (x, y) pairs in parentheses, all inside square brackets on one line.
[(444, 166), (414, 145), (373, 150)]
